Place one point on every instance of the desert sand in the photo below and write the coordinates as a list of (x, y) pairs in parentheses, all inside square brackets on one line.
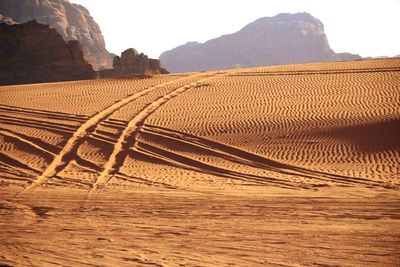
[(271, 166)]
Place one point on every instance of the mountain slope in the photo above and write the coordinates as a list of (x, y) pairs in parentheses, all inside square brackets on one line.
[(283, 39)]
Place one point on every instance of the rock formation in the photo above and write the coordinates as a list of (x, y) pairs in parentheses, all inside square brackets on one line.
[(283, 39), (6, 20), (32, 52), (133, 63), (72, 21)]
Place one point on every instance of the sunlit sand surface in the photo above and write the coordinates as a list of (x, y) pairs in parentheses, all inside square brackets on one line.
[(287, 165)]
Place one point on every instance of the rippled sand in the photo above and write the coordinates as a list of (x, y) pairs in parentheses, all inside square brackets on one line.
[(286, 165)]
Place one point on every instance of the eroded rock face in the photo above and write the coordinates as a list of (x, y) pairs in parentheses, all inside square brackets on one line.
[(283, 39), (133, 63), (130, 61), (72, 21), (32, 52)]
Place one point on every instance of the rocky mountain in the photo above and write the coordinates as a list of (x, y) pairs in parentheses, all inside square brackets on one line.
[(133, 63), (72, 21), (32, 52), (282, 39)]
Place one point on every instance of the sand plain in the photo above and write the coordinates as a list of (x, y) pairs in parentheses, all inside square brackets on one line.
[(275, 166)]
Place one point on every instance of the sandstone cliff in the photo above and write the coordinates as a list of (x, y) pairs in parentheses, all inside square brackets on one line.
[(72, 21), (33, 52), (283, 39)]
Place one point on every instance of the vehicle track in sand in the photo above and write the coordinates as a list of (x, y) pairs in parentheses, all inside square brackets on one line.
[(11, 166), (68, 152), (337, 122), (127, 137), (236, 155), (323, 124)]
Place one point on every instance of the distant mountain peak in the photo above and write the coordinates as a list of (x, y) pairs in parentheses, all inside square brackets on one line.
[(286, 21), (281, 39)]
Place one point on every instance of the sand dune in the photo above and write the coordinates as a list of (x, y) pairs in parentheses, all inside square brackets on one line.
[(317, 142)]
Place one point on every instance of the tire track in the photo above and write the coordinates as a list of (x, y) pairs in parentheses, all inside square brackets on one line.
[(234, 155), (221, 151), (21, 139), (15, 163), (184, 162), (237, 155), (27, 169), (127, 139), (177, 160), (40, 122), (225, 152), (43, 113), (128, 135), (32, 172), (297, 120), (36, 125), (69, 151)]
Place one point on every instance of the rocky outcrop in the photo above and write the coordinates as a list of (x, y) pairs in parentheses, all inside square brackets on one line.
[(283, 39), (346, 57), (33, 52), (133, 63), (72, 21), (6, 20)]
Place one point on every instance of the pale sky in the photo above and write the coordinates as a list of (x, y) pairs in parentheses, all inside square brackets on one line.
[(364, 27)]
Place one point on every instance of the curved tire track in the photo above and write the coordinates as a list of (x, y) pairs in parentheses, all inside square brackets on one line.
[(128, 135), (68, 152)]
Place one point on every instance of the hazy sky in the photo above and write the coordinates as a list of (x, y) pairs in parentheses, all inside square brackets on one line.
[(364, 27)]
